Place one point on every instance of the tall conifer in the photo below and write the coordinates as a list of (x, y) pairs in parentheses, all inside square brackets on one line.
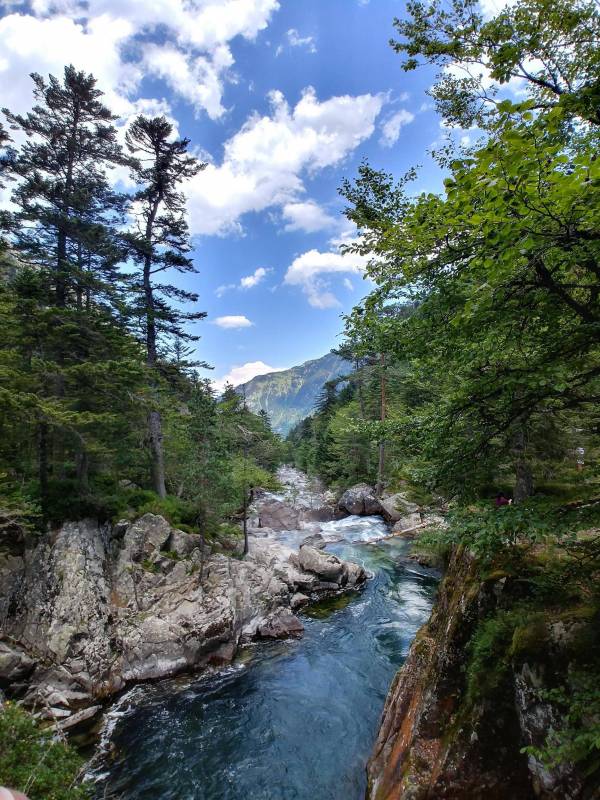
[(160, 242)]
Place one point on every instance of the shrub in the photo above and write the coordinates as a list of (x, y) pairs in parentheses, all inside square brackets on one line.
[(490, 532), (31, 761)]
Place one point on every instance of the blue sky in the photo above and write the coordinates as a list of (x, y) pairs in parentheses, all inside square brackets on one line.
[(283, 99)]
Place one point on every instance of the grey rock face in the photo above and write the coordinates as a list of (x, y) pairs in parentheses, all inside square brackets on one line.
[(280, 625), (278, 516), (361, 500), (89, 609), (298, 600), (15, 665), (406, 523), (325, 566), (314, 540), (396, 507)]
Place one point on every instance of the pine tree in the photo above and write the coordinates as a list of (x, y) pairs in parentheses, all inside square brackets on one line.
[(66, 208), (65, 226), (160, 242), (6, 156)]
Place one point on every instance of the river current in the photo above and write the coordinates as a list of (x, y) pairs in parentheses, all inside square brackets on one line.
[(291, 720)]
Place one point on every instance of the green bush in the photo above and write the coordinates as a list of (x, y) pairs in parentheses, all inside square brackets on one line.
[(176, 511), (490, 532), (31, 761)]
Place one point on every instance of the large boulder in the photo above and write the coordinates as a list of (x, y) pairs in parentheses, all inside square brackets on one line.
[(407, 524), (147, 534), (90, 608), (355, 574), (280, 625), (278, 516), (182, 544), (325, 566), (361, 500), (15, 665), (396, 507), (316, 540)]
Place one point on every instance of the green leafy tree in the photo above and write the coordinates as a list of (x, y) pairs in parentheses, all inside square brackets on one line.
[(550, 47)]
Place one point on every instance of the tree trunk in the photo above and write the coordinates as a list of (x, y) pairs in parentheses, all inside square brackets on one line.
[(61, 244), (381, 465), (83, 466), (43, 466), (61, 270), (79, 285), (523, 473), (156, 448), (359, 383), (524, 481), (154, 420), (245, 522)]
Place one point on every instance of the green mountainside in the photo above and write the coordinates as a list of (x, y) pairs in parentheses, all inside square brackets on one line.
[(289, 396)]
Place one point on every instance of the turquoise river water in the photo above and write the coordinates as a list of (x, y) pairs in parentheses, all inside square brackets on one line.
[(291, 720)]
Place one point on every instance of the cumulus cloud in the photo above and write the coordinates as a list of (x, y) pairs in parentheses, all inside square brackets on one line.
[(313, 271), (306, 216), (190, 52), (249, 281), (246, 282), (244, 373), (233, 321), (264, 161), (390, 130)]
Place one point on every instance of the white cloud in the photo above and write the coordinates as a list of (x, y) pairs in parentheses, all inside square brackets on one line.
[(233, 321), (249, 281), (295, 40), (103, 37), (263, 162), (312, 272), (491, 8), (306, 216), (244, 373), (390, 130), (29, 44), (195, 79)]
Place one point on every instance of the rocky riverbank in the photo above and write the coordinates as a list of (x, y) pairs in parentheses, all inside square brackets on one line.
[(90, 608), (456, 719)]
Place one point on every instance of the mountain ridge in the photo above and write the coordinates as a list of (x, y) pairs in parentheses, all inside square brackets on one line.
[(289, 395)]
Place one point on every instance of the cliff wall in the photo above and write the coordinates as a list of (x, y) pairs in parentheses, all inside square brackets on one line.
[(474, 691)]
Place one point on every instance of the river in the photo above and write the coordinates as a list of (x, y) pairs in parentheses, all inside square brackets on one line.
[(291, 720)]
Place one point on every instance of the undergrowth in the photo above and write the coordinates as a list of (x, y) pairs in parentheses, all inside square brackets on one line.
[(33, 762)]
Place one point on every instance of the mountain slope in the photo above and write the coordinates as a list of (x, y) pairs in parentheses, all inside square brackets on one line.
[(289, 396)]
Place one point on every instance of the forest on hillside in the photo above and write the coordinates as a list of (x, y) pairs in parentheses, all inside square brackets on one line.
[(476, 355), (104, 412), (475, 384), (476, 358)]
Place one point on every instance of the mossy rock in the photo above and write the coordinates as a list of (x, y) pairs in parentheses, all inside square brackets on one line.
[(530, 638)]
